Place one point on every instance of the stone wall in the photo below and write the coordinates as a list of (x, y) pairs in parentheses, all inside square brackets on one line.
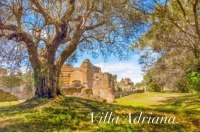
[(84, 74), (75, 87), (104, 86), (88, 96), (93, 83), (125, 93), (126, 84)]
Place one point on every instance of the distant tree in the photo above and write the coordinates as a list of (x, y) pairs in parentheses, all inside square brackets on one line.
[(193, 82), (170, 48), (47, 33), (10, 82), (150, 82), (27, 77)]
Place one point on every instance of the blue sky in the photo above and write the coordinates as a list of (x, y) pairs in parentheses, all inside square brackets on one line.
[(123, 69)]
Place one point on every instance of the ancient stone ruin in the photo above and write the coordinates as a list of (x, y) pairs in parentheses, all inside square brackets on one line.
[(86, 81), (84, 74), (89, 82), (126, 84), (104, 86)]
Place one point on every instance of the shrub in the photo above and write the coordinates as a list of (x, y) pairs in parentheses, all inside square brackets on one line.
[(193, 82)]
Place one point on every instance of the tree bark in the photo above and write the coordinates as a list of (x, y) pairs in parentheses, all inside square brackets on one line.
[(47, 82)]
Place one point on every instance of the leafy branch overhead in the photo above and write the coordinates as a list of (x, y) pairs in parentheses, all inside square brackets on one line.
[(170, 49), (49, 32)]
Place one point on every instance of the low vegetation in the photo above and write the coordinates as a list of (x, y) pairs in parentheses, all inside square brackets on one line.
[(74, 114), (6, 96)]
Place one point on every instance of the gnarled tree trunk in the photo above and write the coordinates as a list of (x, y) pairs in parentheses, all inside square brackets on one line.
[(58, 27), (47, 82)]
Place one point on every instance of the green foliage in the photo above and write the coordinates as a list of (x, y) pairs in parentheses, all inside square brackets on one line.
[(183, 89), (150, 84), (138, 85), (10, 81), (28, 78), (171, 46), (194, 81)]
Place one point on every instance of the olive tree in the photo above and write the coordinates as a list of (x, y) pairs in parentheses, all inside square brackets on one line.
[(49, 32)]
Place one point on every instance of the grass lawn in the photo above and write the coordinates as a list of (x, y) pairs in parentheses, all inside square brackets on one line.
[(9, 103), (165, 100), (74, 114)]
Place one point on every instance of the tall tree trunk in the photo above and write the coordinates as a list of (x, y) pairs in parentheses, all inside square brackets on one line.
[(47, 82)]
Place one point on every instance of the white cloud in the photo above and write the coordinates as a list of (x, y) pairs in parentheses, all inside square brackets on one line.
[(24, 69), (123, 70)]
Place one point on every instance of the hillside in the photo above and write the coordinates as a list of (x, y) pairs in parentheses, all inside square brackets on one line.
[(6, 96), (74, 114)]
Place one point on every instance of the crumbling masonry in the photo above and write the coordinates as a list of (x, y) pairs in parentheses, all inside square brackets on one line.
[(79, 82)]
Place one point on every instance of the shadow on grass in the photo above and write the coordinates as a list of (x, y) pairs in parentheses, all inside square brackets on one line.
[(22, 107), (74, 114), (188, 104)]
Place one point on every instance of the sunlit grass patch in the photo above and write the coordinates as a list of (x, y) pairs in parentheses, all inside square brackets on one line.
[(74, 114), (9, 103), (148, 99)]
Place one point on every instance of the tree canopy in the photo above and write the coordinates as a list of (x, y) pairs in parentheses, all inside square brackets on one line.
[(170, 48), (47, 33)]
